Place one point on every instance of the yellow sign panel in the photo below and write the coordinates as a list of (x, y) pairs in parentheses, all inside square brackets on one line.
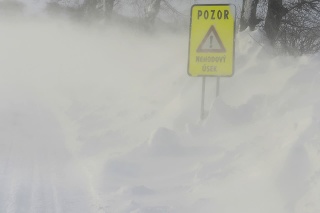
[(211, 48)]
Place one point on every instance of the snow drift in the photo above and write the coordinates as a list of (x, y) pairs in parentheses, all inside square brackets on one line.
[(98, 119)]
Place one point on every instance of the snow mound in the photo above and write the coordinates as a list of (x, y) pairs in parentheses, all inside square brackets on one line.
[(107, 120), (164, 142)]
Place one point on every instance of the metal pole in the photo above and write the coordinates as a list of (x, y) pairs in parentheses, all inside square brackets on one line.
[(218, 87), (203, 96)]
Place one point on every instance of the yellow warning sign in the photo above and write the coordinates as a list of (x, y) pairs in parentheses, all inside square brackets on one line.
[(211, 46)]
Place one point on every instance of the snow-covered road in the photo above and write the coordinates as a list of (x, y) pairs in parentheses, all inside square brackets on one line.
[(37, 171)]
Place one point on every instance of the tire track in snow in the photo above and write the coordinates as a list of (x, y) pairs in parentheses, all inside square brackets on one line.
[(38, 174), (71, 133)]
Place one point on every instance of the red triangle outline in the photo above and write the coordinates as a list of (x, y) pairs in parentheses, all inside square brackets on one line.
[(221, 50)]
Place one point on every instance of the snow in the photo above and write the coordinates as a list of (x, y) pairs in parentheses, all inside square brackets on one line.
[(107, 120)]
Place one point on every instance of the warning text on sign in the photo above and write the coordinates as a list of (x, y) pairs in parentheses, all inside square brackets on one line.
[(213, 14)]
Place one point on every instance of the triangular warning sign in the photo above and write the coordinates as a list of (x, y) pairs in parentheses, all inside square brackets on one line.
[(211, 42)]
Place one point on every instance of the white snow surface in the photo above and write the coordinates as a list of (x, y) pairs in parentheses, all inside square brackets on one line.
[(107, 120)]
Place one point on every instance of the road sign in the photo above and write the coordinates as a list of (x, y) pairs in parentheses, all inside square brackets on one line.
[(211, 45)]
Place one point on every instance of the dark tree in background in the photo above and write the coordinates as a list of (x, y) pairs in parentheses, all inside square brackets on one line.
[(292, 27), (145, 12), (299, 31), (276, 11), (153, 10), (108, 7), (97, 9), (248, 15)]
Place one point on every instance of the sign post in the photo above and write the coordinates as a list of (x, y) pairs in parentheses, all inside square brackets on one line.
[(203, 115), (211, 44)]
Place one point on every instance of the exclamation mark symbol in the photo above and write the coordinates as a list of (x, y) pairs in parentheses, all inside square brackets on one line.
[(211, 39)]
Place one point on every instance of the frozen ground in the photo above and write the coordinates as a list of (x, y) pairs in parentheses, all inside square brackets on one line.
[(107, 120)]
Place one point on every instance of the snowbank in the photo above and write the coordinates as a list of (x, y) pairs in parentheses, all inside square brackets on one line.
[(109, 120)]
